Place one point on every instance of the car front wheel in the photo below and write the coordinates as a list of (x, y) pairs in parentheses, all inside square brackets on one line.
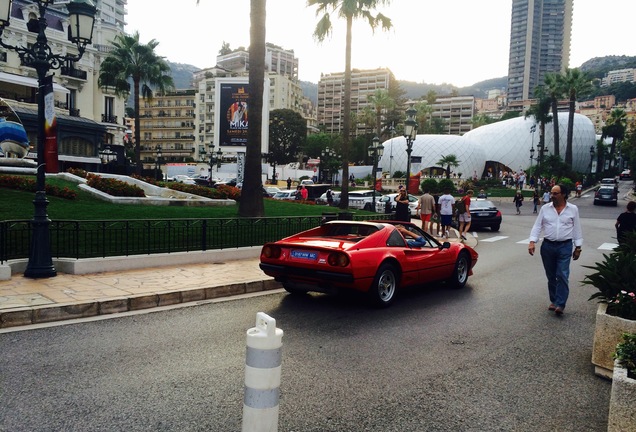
[(385, 284), (460, 272)]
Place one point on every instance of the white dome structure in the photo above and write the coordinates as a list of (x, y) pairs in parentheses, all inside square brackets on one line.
[(505, 145)]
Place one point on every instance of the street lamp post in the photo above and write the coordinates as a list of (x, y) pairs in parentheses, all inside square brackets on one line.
[(532, 129), (531, 155), (326, 157), (592, 153), (158, 154), (410, 133), (40, 57), (375, 151)]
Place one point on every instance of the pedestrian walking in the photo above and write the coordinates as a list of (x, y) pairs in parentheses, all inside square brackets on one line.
[(289, 182), (626, 222), (561, 226), (446, 203), (426, 208), (464, 214), (518, 200), (546, 197), (535, 201)]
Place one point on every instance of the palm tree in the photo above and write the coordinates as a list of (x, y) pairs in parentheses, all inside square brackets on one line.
[(132, 59), (251, 204), (554, 88), (541, 113), (347, 9), (615, 128), (449, 161), (574, 83), (382, 102)]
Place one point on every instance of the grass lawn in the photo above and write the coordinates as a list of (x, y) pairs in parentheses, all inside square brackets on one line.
[(15, 204)]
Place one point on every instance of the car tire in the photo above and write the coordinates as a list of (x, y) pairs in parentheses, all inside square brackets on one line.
[(495, 228), (385, 284), (460, 272)]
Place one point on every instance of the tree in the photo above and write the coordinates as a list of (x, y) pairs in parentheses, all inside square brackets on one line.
[(448, 161), (132, 59), (381, 102), (574, 83), (554, 89), (615, 128), (540, 111), (225, 48), (349, 10), (287, 134)]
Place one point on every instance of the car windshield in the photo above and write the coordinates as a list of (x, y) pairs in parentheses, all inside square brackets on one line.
[(481, 204), (349, 232)]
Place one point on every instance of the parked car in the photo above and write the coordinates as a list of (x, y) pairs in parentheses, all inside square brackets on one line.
[(484, 214), (626, 174), (272, 190), (226, 182), (363, 199), (288, 194), (381, 204), (184, 179), (606, 194), (322, 199), (306, 182), (610, 181), (367, 257)]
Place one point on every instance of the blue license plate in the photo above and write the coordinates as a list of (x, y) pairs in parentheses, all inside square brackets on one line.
[(304, 255)]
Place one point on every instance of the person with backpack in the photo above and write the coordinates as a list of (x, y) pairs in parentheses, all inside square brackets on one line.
[(463, 210)]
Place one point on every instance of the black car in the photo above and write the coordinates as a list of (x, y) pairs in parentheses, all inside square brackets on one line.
[(606, 194), (484, 214)]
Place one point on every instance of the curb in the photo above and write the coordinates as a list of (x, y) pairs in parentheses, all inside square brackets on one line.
[(61, 312)]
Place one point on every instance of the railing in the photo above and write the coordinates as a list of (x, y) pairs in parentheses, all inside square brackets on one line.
[(74, 73), (93, 239), (109, 119)]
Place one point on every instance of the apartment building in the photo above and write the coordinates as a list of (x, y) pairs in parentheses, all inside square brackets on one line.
[(620, 75), (277, 60), (167, 122), (364, 83), (88, 119), (540, 36), (456, 112)]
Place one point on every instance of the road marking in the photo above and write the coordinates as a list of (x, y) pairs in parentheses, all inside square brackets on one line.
[(608, 246), (494, 239), (526, 241), (475, 234)]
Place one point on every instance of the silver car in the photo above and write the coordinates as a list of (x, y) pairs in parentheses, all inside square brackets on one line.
[(363, 200)]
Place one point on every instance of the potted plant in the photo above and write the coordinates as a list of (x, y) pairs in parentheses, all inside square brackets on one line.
[(615, 279), (622, 415)]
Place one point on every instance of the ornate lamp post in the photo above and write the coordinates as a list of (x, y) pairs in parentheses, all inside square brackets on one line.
[(410, 133), (375, 151), (158, 155), (533, 128), (326, 156), (39, 56)]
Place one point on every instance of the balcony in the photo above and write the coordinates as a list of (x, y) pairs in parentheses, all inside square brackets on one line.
[(73, 73), (109, 119)]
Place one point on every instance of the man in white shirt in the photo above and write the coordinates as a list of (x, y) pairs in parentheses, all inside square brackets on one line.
[(561, 226), (446, 203)]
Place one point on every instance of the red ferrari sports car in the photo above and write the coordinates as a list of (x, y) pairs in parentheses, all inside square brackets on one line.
[(370, 257)]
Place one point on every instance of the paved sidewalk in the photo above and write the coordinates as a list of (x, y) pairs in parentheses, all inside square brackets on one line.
[(25, 301)]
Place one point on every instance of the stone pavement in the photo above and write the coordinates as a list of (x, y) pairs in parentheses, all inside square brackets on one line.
[(25, 301)]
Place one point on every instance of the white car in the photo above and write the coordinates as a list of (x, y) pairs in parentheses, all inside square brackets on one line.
[(380, 205), (184, 179), (363, 199), (289, 195), (272, 190)]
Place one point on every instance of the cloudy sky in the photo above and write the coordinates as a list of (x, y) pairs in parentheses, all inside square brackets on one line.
[(454, 41)]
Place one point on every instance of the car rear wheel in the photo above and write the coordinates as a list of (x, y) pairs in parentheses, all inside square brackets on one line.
[(495, 228), (460, 272), (385, 284)]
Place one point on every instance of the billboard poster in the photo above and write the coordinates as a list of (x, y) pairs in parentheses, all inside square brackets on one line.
[(240, 166), (50, 126), (233, 114)]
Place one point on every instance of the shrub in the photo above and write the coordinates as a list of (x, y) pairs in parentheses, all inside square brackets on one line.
[(626, 354), (114, 187), (446, 184), (78, 172), (431, 185), (27, 184)]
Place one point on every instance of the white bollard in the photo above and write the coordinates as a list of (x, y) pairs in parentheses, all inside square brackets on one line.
[(262, 375)]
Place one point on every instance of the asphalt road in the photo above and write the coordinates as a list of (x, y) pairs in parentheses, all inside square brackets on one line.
[(489, 357)]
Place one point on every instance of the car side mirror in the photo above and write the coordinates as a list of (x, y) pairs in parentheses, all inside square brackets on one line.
[(446, 245)]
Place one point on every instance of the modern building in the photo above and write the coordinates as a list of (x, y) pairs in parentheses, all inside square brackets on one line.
[(540, 34), (616, 76), (167, 122), (364, 83), (501, 146), (88, 118), (277, 60)]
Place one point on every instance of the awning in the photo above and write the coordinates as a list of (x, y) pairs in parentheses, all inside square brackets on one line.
[(28, 82)]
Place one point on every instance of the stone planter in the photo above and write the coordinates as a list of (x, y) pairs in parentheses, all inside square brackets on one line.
[(622, 414), (607, 334)]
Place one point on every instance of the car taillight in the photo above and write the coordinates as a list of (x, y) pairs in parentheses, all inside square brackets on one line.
[(498, 213), (271, 251), (338, 259)]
